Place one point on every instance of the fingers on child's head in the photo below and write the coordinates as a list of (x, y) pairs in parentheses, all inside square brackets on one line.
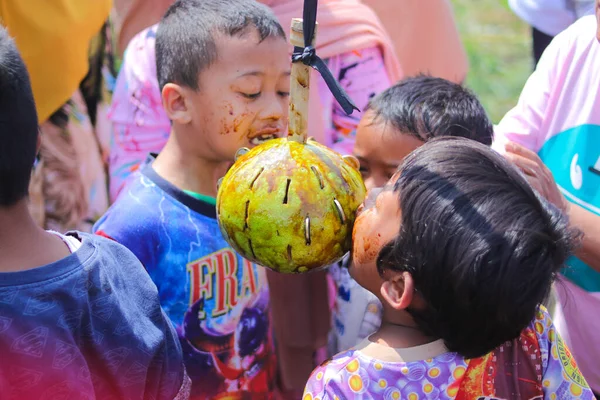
[(480, 244)]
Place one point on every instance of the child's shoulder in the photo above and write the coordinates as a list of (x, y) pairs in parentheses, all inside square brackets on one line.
[(581, 34), (136, 211), (323, 379), (585, 25), (107, 257), (108, 252)]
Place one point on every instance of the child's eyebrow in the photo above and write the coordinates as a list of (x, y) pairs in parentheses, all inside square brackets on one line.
[(252, 73), (260, 73)]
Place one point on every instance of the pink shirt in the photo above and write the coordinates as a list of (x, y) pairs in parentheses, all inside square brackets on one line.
[(558, 116), (141, 125)]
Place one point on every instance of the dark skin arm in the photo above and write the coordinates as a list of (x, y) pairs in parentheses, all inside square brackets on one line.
[(540, 177)]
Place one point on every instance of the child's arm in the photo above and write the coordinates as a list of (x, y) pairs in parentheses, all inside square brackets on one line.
[(561, 378), (362, 75)]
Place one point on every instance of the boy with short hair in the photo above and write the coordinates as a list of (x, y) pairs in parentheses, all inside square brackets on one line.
[(79, 317), (396, 122), (223, 69)]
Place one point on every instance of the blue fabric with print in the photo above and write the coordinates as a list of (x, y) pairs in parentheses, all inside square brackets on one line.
[(573, 156), (217, 300), (88, 326)]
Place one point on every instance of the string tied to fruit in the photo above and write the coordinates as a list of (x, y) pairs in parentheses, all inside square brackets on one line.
[(306, 54)]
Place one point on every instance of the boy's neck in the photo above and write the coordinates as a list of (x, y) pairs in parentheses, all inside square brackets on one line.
[(189, 172), (23, 244)]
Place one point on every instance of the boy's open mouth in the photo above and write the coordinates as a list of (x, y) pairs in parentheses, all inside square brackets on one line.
[(261, 139), (264, 135)]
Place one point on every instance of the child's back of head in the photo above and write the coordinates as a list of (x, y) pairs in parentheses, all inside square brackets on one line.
[(481, 246), (18, 124), (410, 113)]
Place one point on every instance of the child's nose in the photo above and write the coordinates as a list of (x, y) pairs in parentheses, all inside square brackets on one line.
[(274, 108), (372, 197), (370, 184)]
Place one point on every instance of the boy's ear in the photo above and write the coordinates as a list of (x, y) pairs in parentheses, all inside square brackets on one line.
[(175, 104), (398, 290)]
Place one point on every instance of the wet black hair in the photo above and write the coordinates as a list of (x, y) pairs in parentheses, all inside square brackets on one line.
[(427, 107), (185, 39), (18, 124), (482, 246)]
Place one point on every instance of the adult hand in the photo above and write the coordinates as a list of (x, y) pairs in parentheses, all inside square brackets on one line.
[(541, 179), (538, 175)]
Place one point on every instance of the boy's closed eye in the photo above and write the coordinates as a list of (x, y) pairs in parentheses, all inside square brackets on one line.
[(248, 85), (250, 96)]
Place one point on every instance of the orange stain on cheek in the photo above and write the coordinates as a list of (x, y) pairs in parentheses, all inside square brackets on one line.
[(225, 128), (225, 125), (367, 247), (238, 121)]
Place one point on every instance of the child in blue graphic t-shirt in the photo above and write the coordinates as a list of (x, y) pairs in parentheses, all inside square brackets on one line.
[(79, 317), (223, 70)]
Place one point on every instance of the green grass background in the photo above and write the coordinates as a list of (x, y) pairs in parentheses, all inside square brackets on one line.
[(499, 47)]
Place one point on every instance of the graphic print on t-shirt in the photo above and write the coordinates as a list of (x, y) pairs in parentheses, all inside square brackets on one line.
[(217, 300), (573, 156), (227, 320)]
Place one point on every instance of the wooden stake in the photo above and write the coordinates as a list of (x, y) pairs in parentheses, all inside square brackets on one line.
[(299, 88)]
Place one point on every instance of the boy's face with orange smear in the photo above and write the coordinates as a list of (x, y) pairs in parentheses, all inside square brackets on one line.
[(242, 98), (377, 224)]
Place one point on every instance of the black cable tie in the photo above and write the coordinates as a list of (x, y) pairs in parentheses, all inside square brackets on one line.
[(309, 57)]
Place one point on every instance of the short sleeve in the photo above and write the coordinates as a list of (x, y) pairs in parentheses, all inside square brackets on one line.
[(362, 74), (131, 223), (561, 378), (316, 388), (525, 123), (337, 378)]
